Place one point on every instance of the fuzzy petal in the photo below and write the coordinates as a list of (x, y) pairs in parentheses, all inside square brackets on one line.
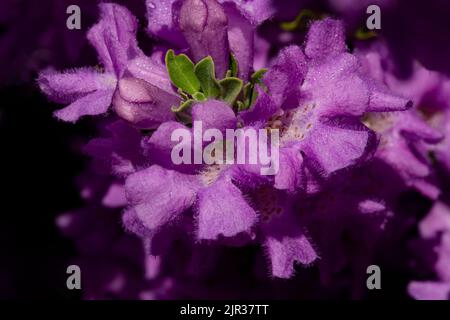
[(66, 87), (437, 220), (94, 103), (158, 195), (241, 40), (204, 25), (335, 145), (162, 23), (262, 110), (143, 104), (115, 196), (382, 101), (413, 126), (326, 38), (336, 88), (114, 37), (290, 175), (285, 76), (146, 69), (222, 210), (214, 114), (429, 290), (255, 11), (120, 148), (159, 145), (286, 243)]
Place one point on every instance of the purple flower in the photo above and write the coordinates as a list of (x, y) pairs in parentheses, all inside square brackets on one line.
[(210, 28), (406, 136), (320, 93), (204, 25), (320, 134), (138, 88), (436, 225), (357, 140), (119, 150)]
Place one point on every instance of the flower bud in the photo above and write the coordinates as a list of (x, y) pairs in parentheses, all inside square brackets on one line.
[(204, 25), (142, 103)]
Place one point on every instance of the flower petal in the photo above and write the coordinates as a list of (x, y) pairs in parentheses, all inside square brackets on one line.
[(66, 87), (214, 114), (114, 37), (241, 40), (429, 290), (256, 11), (142, 103), (162, 22), (285, 241), (326, 38), (115, 196), (222, 210), (158, 195), (336, 88), (146, 69), (262, 110), (285, 76), (94, 103), (337, 144), (436, 221), (204, 25), (158, 147), (290, 175)]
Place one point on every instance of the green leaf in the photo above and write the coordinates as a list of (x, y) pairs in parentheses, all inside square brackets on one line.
[(230, 87), (301, 21), (253, 97), (364, 34), (183, 94), (205, 72), (183, 106), (181, 72), (240, 106), (257, 76), (199, 96), (246, 93), (234, 66)]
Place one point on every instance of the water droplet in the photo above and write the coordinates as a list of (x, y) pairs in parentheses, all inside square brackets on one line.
[(151, 5)]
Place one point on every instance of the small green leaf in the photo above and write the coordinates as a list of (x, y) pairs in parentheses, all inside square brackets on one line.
[(240, 106), (257, 76), (183, 106), (199, 96), (205, 72), (364, 34), (234, 66), (253, 97), (246, 93), (230, 87), (181, 72), (301, 21), (183, 94)]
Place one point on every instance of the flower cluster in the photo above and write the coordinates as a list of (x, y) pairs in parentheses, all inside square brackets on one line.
[(355, 139)]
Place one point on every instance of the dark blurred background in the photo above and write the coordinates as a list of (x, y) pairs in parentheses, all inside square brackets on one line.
[(39, 155)]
